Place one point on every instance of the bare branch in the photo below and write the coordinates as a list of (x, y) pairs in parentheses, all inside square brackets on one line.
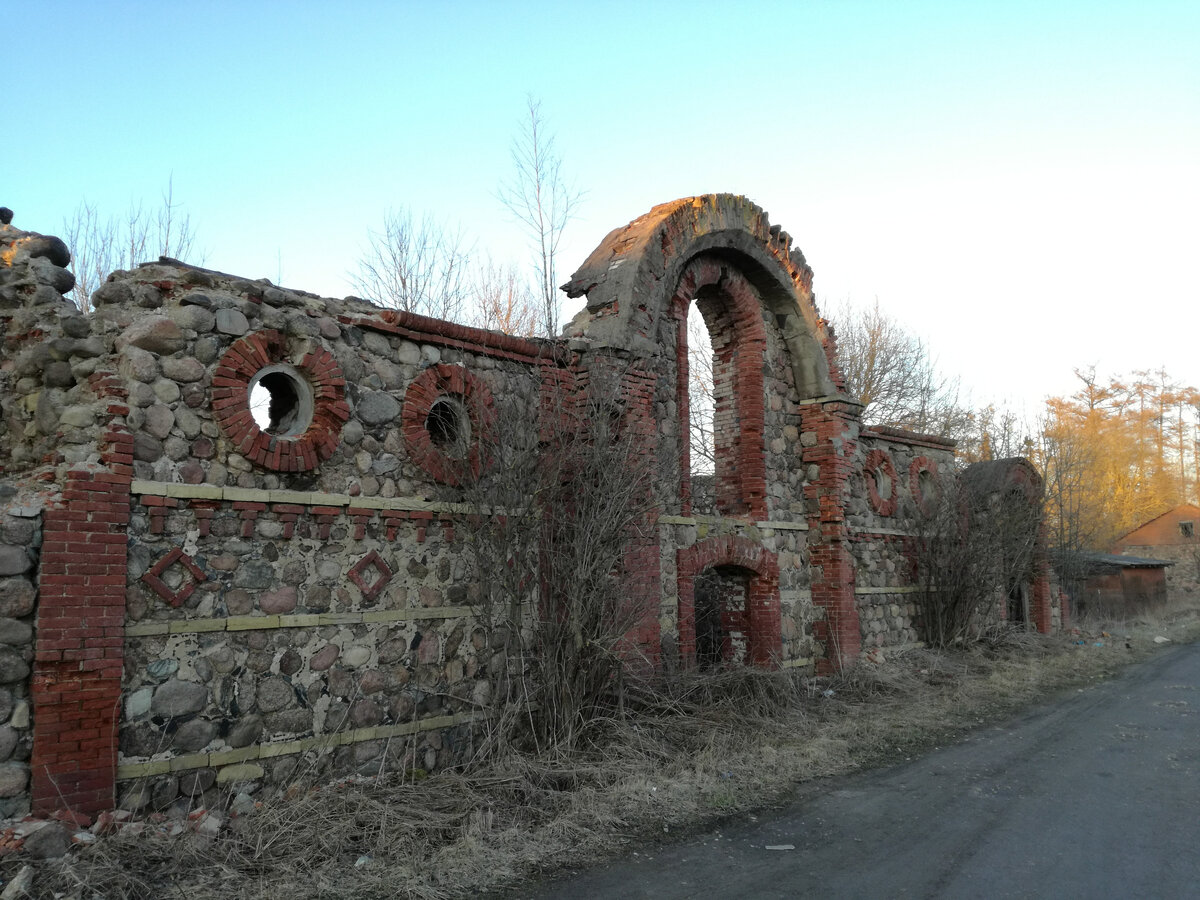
[(539, 199), (418, 265), (100, 246), (504, 301), (892, 372)]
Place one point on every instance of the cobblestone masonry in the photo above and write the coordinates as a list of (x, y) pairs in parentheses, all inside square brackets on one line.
[(192, 601)]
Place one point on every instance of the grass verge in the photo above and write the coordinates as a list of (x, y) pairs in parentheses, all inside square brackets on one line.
[(686, 754)]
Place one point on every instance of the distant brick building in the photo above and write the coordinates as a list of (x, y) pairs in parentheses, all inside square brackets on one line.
[(1121, 584), (1174, 536)]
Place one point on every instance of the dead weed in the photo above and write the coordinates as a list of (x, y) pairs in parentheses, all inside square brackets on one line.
[(682, 754)]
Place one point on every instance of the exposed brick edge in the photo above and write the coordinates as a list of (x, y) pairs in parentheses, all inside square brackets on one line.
[(244, 359), (424, 391), (763, 609), (79, 650), (425, 329), (881, 461), (902, 436), (1043, 612)]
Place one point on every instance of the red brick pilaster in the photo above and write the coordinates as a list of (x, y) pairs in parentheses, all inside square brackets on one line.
[(79, 652), (830, 560)]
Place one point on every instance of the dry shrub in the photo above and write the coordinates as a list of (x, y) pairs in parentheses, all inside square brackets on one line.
[(568, 490), (975, 549), (683, 753)]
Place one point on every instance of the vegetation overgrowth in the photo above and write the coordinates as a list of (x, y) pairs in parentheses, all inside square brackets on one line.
[(683, 754)]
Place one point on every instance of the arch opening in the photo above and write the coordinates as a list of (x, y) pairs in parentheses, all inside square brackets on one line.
[(722, 627), (720, 348), (281, 401)]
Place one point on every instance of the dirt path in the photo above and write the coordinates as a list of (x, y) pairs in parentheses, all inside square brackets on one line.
[(1095, 796)]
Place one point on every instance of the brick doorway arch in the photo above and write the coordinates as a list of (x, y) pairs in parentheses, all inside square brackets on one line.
[(745, 577)]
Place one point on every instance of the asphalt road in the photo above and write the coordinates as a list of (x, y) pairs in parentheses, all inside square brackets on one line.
[(1094, 796)]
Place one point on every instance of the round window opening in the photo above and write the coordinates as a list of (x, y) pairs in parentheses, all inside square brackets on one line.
[(449, 427), (281, 401)]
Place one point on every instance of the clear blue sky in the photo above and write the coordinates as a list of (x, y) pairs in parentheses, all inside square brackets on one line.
[(1017, 182)]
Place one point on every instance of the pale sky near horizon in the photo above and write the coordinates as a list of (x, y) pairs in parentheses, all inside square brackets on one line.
[(1017, 183)]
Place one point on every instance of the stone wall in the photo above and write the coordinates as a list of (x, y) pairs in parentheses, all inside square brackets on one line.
[(254, 506), (20, 537), (898, 485)]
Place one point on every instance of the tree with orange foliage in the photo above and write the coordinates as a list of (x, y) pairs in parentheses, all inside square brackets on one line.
[(1115, 454)]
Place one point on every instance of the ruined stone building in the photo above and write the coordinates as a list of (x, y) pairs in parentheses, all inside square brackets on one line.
[(189, 600)]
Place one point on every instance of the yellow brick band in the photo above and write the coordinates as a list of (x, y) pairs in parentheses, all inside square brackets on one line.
[(285, 748), (884, 532), (737, 523), (296, 498), (310, 620), (796, 663)]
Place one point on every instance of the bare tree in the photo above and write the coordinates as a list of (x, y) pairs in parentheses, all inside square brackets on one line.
[(101, 245), (503, 300), (701, 396), (416, 264), (542, 203), (975, 551), (892, 371)]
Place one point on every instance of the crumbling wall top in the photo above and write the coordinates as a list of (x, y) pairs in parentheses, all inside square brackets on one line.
[(630, 278)]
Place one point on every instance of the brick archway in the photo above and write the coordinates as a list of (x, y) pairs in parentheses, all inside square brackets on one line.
[(762, 597), (732, 314)]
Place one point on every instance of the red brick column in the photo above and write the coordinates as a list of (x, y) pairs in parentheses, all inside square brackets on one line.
[(81, 635), (830, 560)]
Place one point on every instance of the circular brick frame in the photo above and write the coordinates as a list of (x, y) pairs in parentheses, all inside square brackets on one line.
[(434, 384), (920, 464), (880, 461), (244, 360)]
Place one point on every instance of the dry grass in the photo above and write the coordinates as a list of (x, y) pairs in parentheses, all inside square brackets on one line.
[(684, 755)]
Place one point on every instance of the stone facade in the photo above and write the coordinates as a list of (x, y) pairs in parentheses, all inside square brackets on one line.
[(214, 597)]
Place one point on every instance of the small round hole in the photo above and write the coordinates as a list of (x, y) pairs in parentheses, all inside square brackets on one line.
[(449, 426), (281, 401)]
